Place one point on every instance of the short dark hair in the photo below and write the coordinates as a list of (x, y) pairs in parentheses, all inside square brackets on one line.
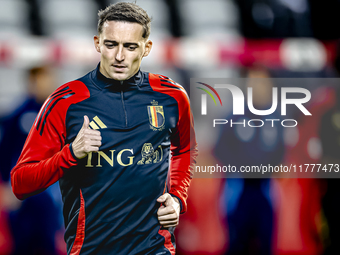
[(129, 12), (33, 72)]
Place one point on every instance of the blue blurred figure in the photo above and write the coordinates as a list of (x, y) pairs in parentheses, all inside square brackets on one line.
[(249, 210), (35, 223)]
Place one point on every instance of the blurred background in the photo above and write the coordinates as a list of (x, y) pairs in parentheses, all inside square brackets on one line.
[(46, 43)]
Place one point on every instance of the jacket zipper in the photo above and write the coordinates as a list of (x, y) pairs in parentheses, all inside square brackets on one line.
[(122, 96)]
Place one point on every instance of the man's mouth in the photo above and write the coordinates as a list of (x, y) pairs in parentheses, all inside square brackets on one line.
[(119, 66)]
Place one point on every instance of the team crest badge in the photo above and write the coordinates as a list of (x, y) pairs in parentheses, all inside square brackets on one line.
[(156, 116)]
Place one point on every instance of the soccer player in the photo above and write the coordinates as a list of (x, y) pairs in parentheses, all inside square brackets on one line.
[(107, 138)]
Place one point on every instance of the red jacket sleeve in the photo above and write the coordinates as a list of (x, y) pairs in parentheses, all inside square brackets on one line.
[(45, 155), (183, 153), (183, 142)]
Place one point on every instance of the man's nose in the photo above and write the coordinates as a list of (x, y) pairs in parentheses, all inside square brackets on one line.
[(120, 54)]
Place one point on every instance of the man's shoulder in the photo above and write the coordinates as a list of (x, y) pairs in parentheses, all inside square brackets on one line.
[(166, 85), (71, 90), (56, 106), (67, 94)]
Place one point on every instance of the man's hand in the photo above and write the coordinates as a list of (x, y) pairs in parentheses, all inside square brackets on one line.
[(168, 213), (87, 140)]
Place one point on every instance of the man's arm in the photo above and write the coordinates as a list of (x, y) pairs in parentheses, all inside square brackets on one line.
[(184, 153), (183, 145), (45, 155), (31, 178)]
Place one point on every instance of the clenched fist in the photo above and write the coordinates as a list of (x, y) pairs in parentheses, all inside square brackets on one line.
[(87, 140), (168, 213)]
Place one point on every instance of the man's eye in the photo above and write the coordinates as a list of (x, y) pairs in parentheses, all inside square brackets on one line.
[(109, 45), (132, 47)]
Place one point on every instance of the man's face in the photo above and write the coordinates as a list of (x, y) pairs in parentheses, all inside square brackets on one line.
[(122, 48)]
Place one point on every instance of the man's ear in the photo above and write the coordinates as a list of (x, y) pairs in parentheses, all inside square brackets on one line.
[(96, 43), (148, 46)]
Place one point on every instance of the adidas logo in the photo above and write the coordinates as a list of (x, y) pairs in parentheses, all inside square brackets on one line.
[(96, 123)]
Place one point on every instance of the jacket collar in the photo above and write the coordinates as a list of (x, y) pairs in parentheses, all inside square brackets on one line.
[(112, 84)]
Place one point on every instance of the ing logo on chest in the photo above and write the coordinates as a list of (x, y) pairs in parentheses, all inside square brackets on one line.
[(110, 158), (125, 157)]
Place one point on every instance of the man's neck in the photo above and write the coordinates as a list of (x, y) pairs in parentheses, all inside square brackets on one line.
[(102, 71)]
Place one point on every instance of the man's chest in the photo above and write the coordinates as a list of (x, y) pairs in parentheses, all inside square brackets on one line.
[(125, 119), (136, 133)]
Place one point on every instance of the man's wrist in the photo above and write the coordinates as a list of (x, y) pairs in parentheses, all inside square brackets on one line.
[(72, 152)]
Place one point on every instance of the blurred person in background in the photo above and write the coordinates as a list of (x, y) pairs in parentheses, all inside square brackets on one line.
[(248, 202), (35, 222), (41, 83)]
